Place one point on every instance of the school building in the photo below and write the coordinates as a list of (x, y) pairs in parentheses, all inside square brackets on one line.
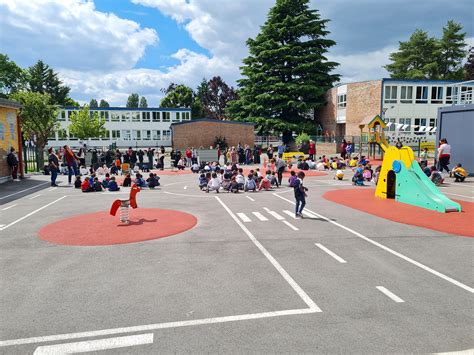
[(135, 127), (410, 107)]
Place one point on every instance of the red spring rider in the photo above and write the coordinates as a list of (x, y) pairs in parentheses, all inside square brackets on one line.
[(125, 204)]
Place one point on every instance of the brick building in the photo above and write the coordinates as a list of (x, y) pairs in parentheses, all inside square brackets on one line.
[(9, 136), (203, 132), (409, 107)]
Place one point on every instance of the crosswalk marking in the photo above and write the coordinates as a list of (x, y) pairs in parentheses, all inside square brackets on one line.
[(274, 214), (260, 216), (289, 213), (387, 293), (290, 225), (244, 217), (334, 255), (310, 215)]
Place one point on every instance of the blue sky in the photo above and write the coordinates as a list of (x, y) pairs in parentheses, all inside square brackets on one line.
[(111, 48)]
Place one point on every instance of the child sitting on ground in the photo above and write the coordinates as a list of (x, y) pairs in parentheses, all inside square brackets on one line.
[(353, 163), (105, 182), (367, 173), (213, 184), (339, 175), (195, 168), (273, 180), (113, 186), (375, 178), (83, 170), (202, 182), (97, 185), (250, 183), (358, 178), (140, 181), (127, 182), (78, 182), (266, 184), (153, 181), (240, 179), (86, 186), (459, 173), (436, 176)]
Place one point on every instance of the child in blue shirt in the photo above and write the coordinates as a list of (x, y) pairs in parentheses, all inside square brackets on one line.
[(113, 186)]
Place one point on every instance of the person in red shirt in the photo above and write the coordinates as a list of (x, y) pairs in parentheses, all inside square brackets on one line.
[(312, 150), (189, 157), (71, 162)]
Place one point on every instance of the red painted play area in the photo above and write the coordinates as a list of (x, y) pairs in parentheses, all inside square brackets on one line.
[(100, 228), (363, 199)]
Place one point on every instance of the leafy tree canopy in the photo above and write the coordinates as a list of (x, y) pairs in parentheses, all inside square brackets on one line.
[(287, 72), (469, 66), (43, 79), (39, 116), (85, 124), (103, 103), (143, 102), (216, 98), (93, 103), (12, 77), (133, 101)]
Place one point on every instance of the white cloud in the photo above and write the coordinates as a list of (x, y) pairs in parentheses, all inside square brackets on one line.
[(72, 34)]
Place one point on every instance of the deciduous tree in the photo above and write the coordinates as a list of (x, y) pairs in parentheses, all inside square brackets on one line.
[(93, 103), (133, 101), (85, 125), (103, 103), (12, 77), (143, 102)]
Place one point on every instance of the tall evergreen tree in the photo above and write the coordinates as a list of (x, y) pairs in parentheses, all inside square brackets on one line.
[(133, 101), (415, 59), (287, 72), (451, 52), (103, 103), (469, 66), (44, 80), (93, 103), (143, 102)]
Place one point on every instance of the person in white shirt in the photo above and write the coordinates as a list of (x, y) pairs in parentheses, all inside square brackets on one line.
[(214, 184), (444, 154), (240, 179)]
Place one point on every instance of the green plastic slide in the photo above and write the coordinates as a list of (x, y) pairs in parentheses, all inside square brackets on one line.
[(413, 187)]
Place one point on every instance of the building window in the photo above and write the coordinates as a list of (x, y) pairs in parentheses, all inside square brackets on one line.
[(437, 95), (146, 116), (126, 117), (126, 135), (62, 117), (156, 117), (176, 117), (136, 135), (421, 94), (167, 135), (115, 117), (104, 115), (146, 134), (390, 95), (341, 101), (62, 134), (166, 116), (72, 137), (420, 126), (156, 135), (391, 124), (135, 116), (115, 134), (406, 94), (406, 122), (466, 94), (187, 116), (432, 124), (69, 114)]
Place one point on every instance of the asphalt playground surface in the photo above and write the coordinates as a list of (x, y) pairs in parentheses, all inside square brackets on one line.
[(248, 277)]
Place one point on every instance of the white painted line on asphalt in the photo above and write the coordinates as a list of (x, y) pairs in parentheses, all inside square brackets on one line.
[(449, 193), (250, 198), (52, 189), (304, 296), (19, 192), (289, 213), (390, 294), (187, 195), (95, 345), (1, 225), (260, 216), (33, 197), (334, 255), (391, 251), (7, 208), (157, 326), (30, 214), (186, 187), (310, 215), (274, 214), (244, 217), (290, 225)]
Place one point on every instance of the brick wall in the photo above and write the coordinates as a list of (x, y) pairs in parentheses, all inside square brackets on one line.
[(326, 115), (8, 139), (204, 133), (363, 100)]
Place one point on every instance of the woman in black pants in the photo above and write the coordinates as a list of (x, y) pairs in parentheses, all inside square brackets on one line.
[(280, 166)]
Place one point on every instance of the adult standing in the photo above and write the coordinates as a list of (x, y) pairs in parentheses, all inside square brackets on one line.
[(281, 150), (349, 149), (162, 157), (444, 154), (270, 152), (82, 156), (233, 156), (344, 149), (12, 161), (312, 149), (280, 166), (53, 162), (71, 162), (95, 159), (189, 157), (256, 155), (140, 155)]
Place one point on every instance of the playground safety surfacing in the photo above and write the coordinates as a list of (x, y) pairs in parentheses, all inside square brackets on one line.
[(100, 228), (363, 199)]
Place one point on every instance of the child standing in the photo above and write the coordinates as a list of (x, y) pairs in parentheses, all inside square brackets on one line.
[(300, 195)]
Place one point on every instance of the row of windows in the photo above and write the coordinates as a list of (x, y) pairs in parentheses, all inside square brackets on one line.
[(418, 126), (125, 134), (421, 94), (124, 116)]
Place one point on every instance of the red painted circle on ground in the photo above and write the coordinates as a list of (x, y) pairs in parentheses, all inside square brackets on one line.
[(101, 228), (363, 199)]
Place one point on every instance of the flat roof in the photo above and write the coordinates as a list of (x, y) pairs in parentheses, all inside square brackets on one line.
[(211, 120), (9, 103), (126, 108)]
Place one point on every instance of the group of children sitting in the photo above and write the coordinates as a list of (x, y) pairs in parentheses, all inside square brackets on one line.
[(234, 180), (93, 184)]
